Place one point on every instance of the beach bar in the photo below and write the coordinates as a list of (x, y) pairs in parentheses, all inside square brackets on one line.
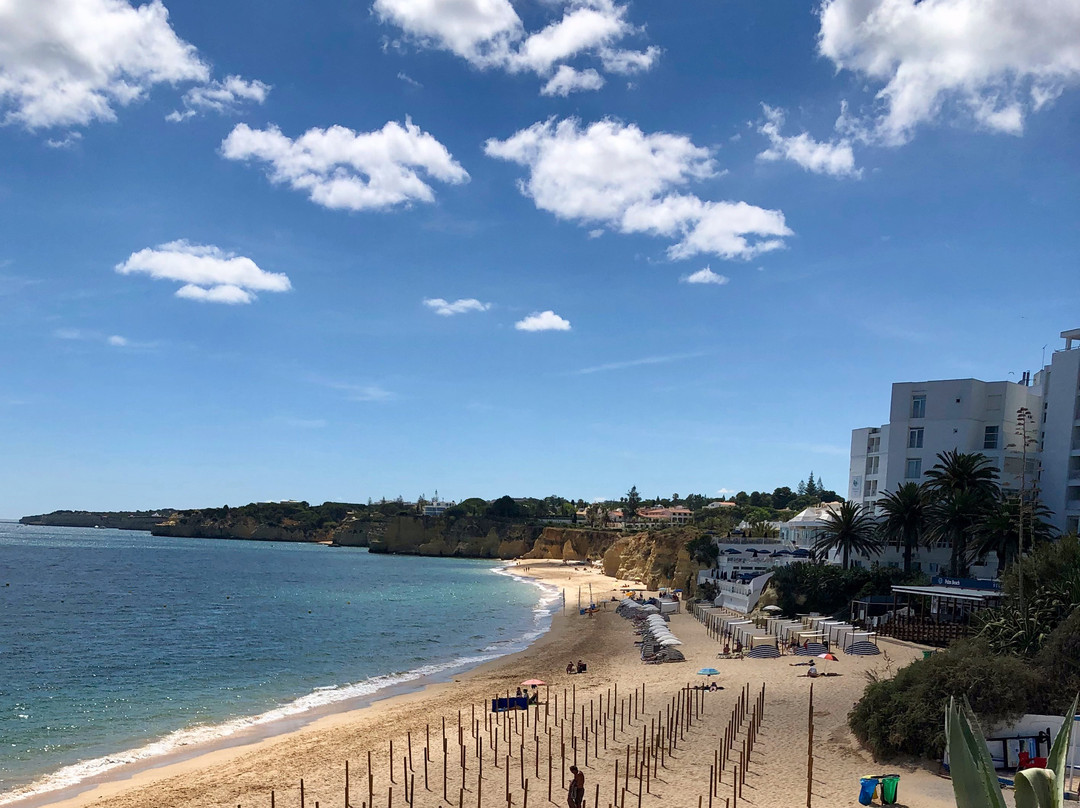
[(932, 615)]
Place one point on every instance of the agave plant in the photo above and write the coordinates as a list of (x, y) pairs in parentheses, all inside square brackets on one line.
[(975, 783)]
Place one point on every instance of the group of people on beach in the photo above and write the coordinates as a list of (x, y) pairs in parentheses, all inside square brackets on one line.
[(533, 695), (580, 668)]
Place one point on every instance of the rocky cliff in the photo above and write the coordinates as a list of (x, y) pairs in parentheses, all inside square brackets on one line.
[(241, 528), (657, 558), (131, 520), (465, 536)]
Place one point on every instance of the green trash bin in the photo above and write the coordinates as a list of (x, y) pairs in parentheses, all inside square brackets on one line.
[(889, 785), (927, 654)]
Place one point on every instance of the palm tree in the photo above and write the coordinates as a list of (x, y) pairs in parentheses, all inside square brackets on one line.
[(905, 519), (999, 530), (961, 488), (849, 529)]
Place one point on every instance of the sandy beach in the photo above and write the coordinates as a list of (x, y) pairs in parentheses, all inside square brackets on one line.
[(775, 775)]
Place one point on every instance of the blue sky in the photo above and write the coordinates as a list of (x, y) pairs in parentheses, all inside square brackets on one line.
[(263, 250)]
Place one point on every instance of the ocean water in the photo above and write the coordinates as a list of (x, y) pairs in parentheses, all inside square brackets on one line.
[(118, 646)]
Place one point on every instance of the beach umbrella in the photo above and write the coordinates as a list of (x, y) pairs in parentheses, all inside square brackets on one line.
[(670, 641), (708, 672), (827, 656), (533, 682), (733, 551), (771, 609)]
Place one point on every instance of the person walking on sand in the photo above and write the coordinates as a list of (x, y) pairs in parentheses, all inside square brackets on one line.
[(575, 795)]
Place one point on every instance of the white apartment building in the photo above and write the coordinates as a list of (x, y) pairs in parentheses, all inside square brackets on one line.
[(1059, 433), (968, 415), (927, 418)]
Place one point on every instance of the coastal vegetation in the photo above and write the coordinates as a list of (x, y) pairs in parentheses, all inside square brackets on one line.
[(803, 587), (1024, 659), (960, 505)]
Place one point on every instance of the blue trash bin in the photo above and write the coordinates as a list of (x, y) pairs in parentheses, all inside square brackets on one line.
[(867, 789)]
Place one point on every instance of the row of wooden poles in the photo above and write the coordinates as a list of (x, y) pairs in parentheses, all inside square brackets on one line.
[(748, 713), (715, 629), (575, 734)]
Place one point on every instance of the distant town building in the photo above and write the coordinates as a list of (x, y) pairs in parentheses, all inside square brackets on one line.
[(802, 531), (719, 504), (672, 516), (437, 507)]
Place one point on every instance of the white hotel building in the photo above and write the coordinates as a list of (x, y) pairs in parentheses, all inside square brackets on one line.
[(926, 418)]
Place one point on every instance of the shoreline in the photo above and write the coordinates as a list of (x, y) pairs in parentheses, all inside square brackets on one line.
[(252, 735), (313, 761)]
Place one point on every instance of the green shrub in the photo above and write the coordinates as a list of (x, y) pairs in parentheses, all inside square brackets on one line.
[(1059, 662), (828, 589), (904, 715)]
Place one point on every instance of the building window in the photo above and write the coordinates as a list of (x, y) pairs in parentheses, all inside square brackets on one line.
[(913, 468), (873, 444), (870, 488), (990, 437), (918, 406), (915, 438), (873, 464)]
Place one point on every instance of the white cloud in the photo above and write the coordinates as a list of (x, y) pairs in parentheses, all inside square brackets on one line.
[(629, 61), (448, 309), (614, 174), (112, 340), (68, 141), (409, 80), (340, 168), (476, 30), (221, 97), (835, 159), (209, 274), (568, 80), (581, 29), (633, 363), (992, 61), (543, 321), (70, 62), (226, 293), (361, 392), (705, 275), (490, 34)]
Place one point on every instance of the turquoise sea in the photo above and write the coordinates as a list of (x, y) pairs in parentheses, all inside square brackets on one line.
[(118, 646)]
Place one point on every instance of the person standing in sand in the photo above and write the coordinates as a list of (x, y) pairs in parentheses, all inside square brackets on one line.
[(575, 795)]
